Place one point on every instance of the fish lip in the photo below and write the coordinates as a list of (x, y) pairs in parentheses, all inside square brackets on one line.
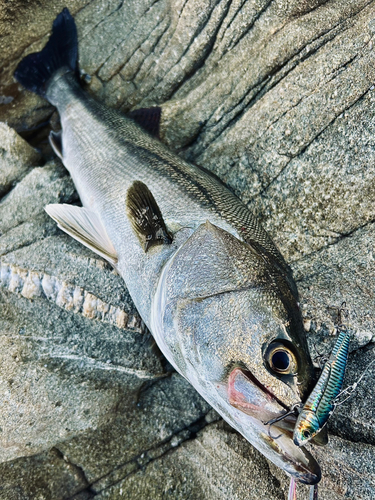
[(309, 477), (308, 472), (283, 425)]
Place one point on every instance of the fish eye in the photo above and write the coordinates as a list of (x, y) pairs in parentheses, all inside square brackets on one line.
[(281, 359)]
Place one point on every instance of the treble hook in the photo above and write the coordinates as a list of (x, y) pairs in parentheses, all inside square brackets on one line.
[(292, 411)]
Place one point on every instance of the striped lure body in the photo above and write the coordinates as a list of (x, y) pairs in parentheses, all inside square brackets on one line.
[(320, 403)]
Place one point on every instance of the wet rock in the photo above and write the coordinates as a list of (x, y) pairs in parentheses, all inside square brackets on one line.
[(63, 373), (277, 99), (140, 433), (321, 201), (43, 185), (96, 459), (348, 470)]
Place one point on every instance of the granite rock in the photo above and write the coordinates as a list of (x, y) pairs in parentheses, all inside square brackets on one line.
[(17, 157)]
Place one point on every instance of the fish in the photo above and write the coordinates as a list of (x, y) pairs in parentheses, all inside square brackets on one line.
[(321, 402), (206, 278)]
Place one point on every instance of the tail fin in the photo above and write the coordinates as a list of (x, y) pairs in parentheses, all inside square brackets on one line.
[(61, 51)]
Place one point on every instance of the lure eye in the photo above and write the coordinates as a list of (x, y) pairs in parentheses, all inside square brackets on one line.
[(306, 434), (281, 359)]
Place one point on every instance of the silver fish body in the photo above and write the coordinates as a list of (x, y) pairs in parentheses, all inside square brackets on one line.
[(218, 298)]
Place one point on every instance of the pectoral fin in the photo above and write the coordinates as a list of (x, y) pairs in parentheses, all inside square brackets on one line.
[(145, 217), (84, 226)]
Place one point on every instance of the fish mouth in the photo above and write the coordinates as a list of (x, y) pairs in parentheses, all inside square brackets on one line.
[(241, 394), (252, 399)]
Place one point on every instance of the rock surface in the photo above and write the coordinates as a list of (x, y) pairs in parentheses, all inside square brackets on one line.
[(276, 98), (16, 158)]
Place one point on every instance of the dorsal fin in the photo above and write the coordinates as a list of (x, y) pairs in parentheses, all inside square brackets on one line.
[(145, 216), (84, 226), (148, 118)]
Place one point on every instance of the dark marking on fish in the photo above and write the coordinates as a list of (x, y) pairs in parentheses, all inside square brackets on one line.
[(145, 217)]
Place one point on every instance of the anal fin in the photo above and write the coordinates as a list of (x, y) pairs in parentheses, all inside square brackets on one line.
[(84, 226), (145, 217)]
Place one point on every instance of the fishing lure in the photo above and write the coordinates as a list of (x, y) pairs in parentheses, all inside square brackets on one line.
[(322, 401)]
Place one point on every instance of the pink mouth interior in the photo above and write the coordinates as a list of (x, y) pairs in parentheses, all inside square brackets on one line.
[(247, 394)]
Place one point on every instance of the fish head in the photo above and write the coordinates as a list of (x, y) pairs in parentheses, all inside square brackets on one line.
[(222, 319), (230, 324)]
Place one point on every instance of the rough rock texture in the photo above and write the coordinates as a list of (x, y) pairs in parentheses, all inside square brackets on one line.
[(277, 98), (16, 158)]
